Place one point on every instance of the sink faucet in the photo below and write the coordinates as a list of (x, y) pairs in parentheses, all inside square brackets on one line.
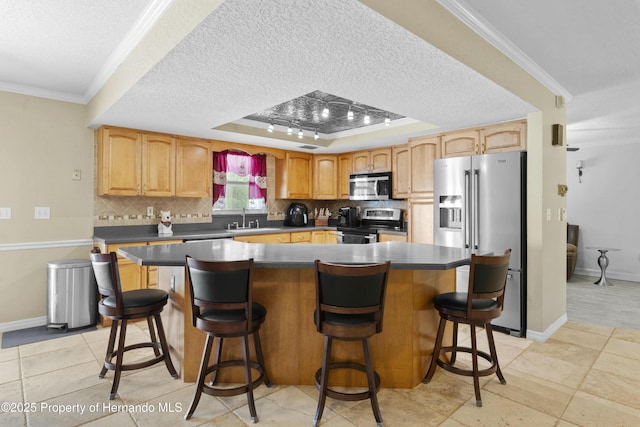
[(244, 214)]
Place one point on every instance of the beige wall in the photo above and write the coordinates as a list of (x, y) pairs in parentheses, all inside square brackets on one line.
[(41, 143)]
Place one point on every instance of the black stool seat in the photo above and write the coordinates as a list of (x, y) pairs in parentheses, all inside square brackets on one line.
[(457, 301), (477, 307), (138, 298), (223, 307), (350, 307), (121, 307)]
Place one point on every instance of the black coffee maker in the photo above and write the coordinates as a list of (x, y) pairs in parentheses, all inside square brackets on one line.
[(297, 215), (348, 217)]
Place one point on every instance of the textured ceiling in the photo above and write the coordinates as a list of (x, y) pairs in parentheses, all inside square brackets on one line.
[(249, 56)]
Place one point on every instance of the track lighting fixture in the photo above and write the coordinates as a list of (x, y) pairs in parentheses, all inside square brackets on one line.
[(387, 120), (289, 130), (349, 114), (315, 135), (300, 134), (270, 128), (325, 111), (367, 118)]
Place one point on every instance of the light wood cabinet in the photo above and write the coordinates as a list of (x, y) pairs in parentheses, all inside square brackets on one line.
[(511, 136), (423, 152), (421, 221), (194, 168), (383, 237), (158, 165), (325, 176), (401, 168), (323, 236), (345, 169), (294, 176), (119, 154), (460, 143), (135, 163), (265, 238), (372, 160), (301, 237)]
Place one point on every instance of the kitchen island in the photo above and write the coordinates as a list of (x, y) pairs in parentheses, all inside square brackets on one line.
[(284, 284)]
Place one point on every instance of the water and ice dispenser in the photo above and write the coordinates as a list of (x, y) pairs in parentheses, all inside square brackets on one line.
[(450, 211)]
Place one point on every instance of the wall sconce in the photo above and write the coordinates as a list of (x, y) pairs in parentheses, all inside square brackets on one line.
[(579, 166)]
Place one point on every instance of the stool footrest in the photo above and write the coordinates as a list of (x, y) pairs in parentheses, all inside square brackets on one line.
[(347, 396), (108, 364), (212, 390), (466, 372)]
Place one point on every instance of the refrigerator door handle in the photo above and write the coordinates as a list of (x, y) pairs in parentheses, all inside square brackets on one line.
[(467, 217), (476, 211)]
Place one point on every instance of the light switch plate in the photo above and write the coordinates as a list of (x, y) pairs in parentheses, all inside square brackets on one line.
[(42, 213), (76, 175), (5, 213)]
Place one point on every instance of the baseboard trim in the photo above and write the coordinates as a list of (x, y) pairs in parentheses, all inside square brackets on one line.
[(543, 336), (23, 324)]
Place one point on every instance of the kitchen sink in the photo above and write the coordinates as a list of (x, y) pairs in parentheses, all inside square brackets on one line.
[(252, 230)]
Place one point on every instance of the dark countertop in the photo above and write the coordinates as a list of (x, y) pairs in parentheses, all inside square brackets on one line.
[(132, 234), (403, 256)]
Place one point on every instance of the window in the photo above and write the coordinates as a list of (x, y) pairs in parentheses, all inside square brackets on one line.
[(239, 181)]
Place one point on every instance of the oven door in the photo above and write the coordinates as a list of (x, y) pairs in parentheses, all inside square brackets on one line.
[(345, 237)]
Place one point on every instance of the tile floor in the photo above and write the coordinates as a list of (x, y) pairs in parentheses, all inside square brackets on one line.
[(583, 375)]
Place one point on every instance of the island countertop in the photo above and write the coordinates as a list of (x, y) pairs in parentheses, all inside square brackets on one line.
[(403, 256)]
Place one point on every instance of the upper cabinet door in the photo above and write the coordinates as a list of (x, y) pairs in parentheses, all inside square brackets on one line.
[(381, 160), (372, 161), (457, 144), (294, 176), (345, 168), (119, 162), (325, 176), (510, 136), (361, 162), (423, 152), (194, 169), (158, 165), (401, 169)]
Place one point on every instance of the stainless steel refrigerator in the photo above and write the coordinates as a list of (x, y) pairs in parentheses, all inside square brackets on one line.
[(480, 204)]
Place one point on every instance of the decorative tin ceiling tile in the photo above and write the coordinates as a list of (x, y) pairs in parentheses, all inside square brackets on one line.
[(306, 112)]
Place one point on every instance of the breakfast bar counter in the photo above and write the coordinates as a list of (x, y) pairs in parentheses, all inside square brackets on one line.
[(284, 283)]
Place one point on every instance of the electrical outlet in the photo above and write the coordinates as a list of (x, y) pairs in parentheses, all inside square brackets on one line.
[(5, 213), (149, 210), (76, 175), (42, 213)]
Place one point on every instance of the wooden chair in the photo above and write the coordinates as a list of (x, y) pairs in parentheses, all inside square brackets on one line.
[(482, 303), (121, 307), (223, 307), (349, 306)]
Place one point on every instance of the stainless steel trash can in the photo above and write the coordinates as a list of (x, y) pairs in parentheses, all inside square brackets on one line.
[(71, 294)]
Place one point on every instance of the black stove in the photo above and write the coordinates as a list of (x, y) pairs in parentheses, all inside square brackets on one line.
[(373, 219)]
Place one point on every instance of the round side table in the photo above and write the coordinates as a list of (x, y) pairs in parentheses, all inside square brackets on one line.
[(603, 262)]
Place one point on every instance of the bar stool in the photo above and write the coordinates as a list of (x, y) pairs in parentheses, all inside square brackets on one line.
[(223, 307), (350, 307), (121, 307), (482, 303)]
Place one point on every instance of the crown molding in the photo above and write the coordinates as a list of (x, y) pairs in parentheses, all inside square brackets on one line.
[(146, 21), (465, 13)]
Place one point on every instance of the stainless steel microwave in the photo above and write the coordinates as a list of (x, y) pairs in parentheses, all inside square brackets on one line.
[(370, 186)]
